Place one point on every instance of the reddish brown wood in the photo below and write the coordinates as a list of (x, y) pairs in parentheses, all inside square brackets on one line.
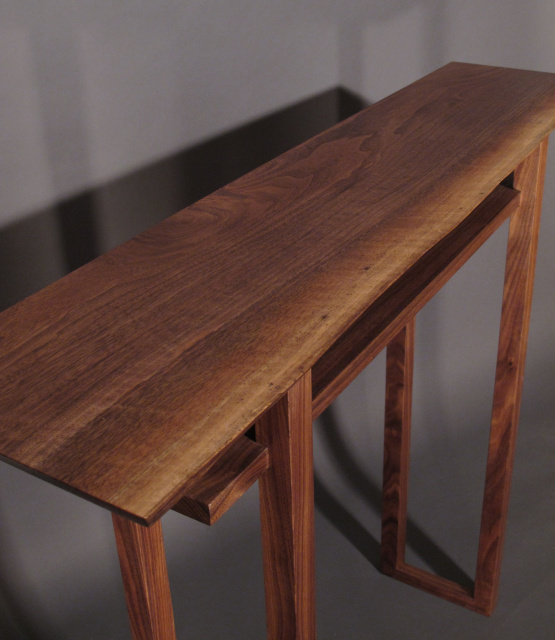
[(398, 403), (515, 317), (287, 515), (372, 332), (127, 378), (145, 579), (210, 494), (436, 585)]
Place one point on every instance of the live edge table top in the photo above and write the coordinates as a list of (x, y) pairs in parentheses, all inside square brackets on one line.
[(125, 378)]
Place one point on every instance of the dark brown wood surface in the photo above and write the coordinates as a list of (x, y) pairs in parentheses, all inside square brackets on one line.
[(123, 380), (398, 409), (145, 579), (517, 298), (384, 318), (509, 374), (287, 515), (209, 494)]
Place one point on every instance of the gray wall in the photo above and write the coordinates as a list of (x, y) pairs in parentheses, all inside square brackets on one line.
[(92, 91)]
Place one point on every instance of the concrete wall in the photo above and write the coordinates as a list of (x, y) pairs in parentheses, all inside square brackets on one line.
[(92, 91)]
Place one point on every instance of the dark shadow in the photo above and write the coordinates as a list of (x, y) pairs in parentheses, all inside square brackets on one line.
[(44, 246), (89, 224), (23, 245), (10, 626), (417, 539), (16, 623), (346, 523), (78, 230)]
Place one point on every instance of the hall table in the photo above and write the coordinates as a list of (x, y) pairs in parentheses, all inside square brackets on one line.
[(134, 381)]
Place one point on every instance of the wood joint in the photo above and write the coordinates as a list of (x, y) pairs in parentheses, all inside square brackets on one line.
[(216, 488)]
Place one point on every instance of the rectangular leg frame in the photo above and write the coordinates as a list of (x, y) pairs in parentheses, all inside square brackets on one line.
[(515, 314)]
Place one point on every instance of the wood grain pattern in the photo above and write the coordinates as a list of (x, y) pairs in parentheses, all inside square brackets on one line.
[(145, 579), (398, 407), (377, 326), (435, 585), (287, 515), (517, 298), (125, 379), (513, 336), (210, 494)]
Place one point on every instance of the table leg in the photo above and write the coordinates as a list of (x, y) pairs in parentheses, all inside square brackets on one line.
[(287, 514), (399, 374), (399, 367), (515, 315), (145, 579)]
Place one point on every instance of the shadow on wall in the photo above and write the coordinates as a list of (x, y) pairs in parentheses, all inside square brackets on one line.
[(15, 622), (52, 242)]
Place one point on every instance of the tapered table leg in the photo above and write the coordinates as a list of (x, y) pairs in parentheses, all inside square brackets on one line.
[(287, 515), (145, 579), (515, 316), (398, 403)]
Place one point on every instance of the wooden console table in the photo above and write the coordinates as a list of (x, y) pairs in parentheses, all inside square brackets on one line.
[(134, 381)]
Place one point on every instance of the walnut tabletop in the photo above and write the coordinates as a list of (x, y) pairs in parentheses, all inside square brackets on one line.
[(126, 378)]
